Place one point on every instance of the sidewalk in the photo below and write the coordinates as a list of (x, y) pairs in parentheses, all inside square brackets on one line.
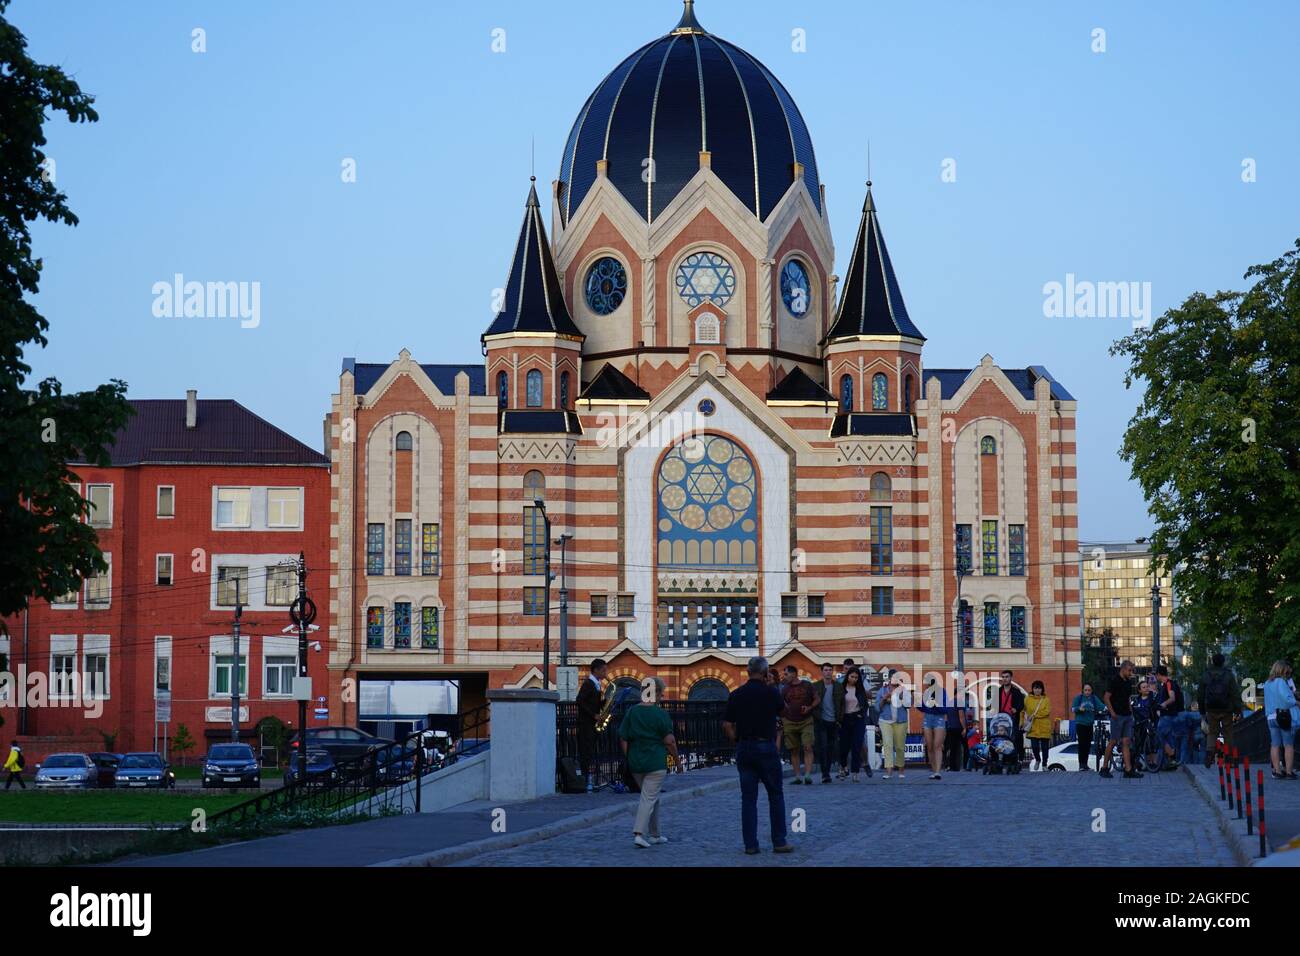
[(1281, 806), (448, 836)]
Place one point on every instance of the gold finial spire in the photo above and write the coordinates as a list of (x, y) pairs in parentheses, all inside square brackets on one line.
[(688, 23)]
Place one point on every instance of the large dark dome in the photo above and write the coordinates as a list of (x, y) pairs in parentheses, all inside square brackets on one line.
[(679, 95)]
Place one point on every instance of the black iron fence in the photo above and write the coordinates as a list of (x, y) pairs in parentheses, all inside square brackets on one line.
[(697, 725), (381, 779)]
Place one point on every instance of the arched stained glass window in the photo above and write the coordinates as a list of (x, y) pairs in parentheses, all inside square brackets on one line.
[(708, 688), (907, 395), (503, 390), (534, 486), (533, 384), (879, 392), (403, 442), (846, 393), (881, 487), (606, 285), (564, 390), (988, 445), (708, 505), (705, 277), (796, 290)]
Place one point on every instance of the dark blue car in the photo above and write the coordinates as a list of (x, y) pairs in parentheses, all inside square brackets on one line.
[(321, 768), (145, 770), (232, 765)]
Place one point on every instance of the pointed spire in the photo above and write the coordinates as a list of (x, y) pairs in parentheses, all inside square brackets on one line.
[(534, 301), (871, 302), (688, 23)]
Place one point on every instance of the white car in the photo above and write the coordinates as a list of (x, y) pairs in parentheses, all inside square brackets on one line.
[(1064, 757)]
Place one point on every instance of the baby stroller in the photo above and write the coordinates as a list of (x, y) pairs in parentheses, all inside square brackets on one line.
[(1001, 746)]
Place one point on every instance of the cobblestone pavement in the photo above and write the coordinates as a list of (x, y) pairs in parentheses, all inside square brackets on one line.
[(965, 819)]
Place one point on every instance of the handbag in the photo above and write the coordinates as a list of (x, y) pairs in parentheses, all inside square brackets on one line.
[(1283, 718)]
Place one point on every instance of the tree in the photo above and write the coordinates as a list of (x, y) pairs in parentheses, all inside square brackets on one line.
[(47, 548), (1215, 445), (182, 743), (1098, 659)]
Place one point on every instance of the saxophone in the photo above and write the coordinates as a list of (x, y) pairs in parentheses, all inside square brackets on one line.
[(606, 708)]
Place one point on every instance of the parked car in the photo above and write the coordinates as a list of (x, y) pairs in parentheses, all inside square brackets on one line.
[(67, 771), (321, 768), (342, 743), (1064, 757), (231, 765), (106, 765), (145, 770)]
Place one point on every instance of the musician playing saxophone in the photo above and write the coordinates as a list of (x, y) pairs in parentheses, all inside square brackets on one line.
[(650, 749), (590, 696)]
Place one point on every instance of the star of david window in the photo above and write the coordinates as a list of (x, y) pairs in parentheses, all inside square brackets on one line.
[(606, 285), (707, 505), (795, 288), (705, 277)]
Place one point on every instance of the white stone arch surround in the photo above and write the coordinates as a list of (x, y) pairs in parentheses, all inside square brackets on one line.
[(773, 463), (681, 329), (604, 332), (798, 335)]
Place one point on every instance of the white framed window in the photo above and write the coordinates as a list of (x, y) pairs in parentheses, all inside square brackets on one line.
[(281, 586), (166, 501), (283, 507), (234, 508), (162, 665), (94, 667), (99, 586), (67, 601), (163, 569), (223, 666), (63, 666), (101, 505), (278, 675)]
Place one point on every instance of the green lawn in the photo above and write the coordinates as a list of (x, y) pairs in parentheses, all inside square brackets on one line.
[(112, 806)]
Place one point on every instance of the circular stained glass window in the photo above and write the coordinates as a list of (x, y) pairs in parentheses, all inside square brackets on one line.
[(606, 285), (796, 290), (706, 277), (707, 485)]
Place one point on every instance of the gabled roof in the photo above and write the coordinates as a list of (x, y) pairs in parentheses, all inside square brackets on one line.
[(892, 424), (952, 379), (225, 433), (538, 421), (797, 386), (534, 301), (871, 302), (612, 385), (365, 374)]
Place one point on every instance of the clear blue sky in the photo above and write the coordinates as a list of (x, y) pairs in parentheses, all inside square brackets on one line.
[(1120, 166)]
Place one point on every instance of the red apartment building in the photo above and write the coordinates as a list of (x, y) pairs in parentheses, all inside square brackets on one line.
[(201, 498)]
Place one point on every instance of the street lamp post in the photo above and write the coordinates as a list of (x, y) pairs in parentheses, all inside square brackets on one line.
[(563, 540), (1155, 625), (546, 620)]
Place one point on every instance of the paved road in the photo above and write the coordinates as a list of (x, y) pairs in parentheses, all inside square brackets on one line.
[(962, 820)]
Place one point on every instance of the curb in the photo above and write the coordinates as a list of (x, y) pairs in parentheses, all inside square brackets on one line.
[(465, 851), (1242, 846)]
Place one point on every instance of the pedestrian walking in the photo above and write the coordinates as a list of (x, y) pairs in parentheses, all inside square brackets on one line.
[(1087, 707), (826, 721), (934, 725), (1038, 723), (954, 738), (750, 721), (1011, 700), (14, 766), (1120, 708), (1220, 698), (854, 704), (650, 750), (893, 702), (1283, 718), (797, 722)]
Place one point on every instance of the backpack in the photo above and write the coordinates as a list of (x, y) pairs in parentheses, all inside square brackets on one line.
[(22, 761), (1218, 690)]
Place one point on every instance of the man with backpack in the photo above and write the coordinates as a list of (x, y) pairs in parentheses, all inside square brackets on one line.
[(14, 765), (1220, 700)]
